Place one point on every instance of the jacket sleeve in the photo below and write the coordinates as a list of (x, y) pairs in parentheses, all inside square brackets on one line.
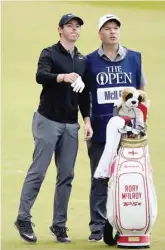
[(84, 97), (45, 63)]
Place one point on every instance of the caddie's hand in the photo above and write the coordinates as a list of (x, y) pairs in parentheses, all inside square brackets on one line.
[(88, 131), (78, 85), (71, 77)]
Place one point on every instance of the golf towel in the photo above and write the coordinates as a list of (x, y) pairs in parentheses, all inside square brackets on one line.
[(113, 137)]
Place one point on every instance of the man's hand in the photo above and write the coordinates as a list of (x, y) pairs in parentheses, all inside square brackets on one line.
[(69, 78), (88, 132), (72, 77)]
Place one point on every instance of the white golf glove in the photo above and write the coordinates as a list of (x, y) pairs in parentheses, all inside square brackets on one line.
[(78, 85)]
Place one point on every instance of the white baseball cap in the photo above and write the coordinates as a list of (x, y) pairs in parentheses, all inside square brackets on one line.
[(107, 18)]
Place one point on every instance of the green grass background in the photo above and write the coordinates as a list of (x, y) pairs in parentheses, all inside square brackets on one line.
[(28, 27)]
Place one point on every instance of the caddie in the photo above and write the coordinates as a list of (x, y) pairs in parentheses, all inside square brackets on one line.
[(111, 68)]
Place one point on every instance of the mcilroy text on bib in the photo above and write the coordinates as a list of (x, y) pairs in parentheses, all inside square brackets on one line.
[(109, 95)]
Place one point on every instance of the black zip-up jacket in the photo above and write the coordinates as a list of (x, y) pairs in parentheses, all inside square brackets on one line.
[(58, 102)]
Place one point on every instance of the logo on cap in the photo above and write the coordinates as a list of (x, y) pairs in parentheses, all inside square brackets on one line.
[(109, 16)]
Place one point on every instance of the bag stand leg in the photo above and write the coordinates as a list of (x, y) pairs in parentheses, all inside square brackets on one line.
[(108, 235)]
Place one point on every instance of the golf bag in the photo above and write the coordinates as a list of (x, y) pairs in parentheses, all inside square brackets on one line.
[(132, 201)]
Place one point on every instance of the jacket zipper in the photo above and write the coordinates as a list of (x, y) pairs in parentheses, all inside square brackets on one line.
[(73, 62)]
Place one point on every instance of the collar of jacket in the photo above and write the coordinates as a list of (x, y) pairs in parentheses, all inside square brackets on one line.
[(65, 51)]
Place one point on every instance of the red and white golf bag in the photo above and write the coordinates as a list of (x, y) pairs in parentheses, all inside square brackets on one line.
[(132, 201)]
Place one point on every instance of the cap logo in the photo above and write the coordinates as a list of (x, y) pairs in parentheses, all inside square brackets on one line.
[(70, 15), (108, 16)]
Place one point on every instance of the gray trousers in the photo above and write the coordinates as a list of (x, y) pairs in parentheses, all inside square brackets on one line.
[(50, 137), (99, 188)]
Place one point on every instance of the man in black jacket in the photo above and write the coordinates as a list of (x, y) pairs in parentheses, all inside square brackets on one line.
[(55, 127)]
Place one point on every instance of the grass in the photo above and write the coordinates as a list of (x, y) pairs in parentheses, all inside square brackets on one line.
[(147, 5), (28, 27)]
